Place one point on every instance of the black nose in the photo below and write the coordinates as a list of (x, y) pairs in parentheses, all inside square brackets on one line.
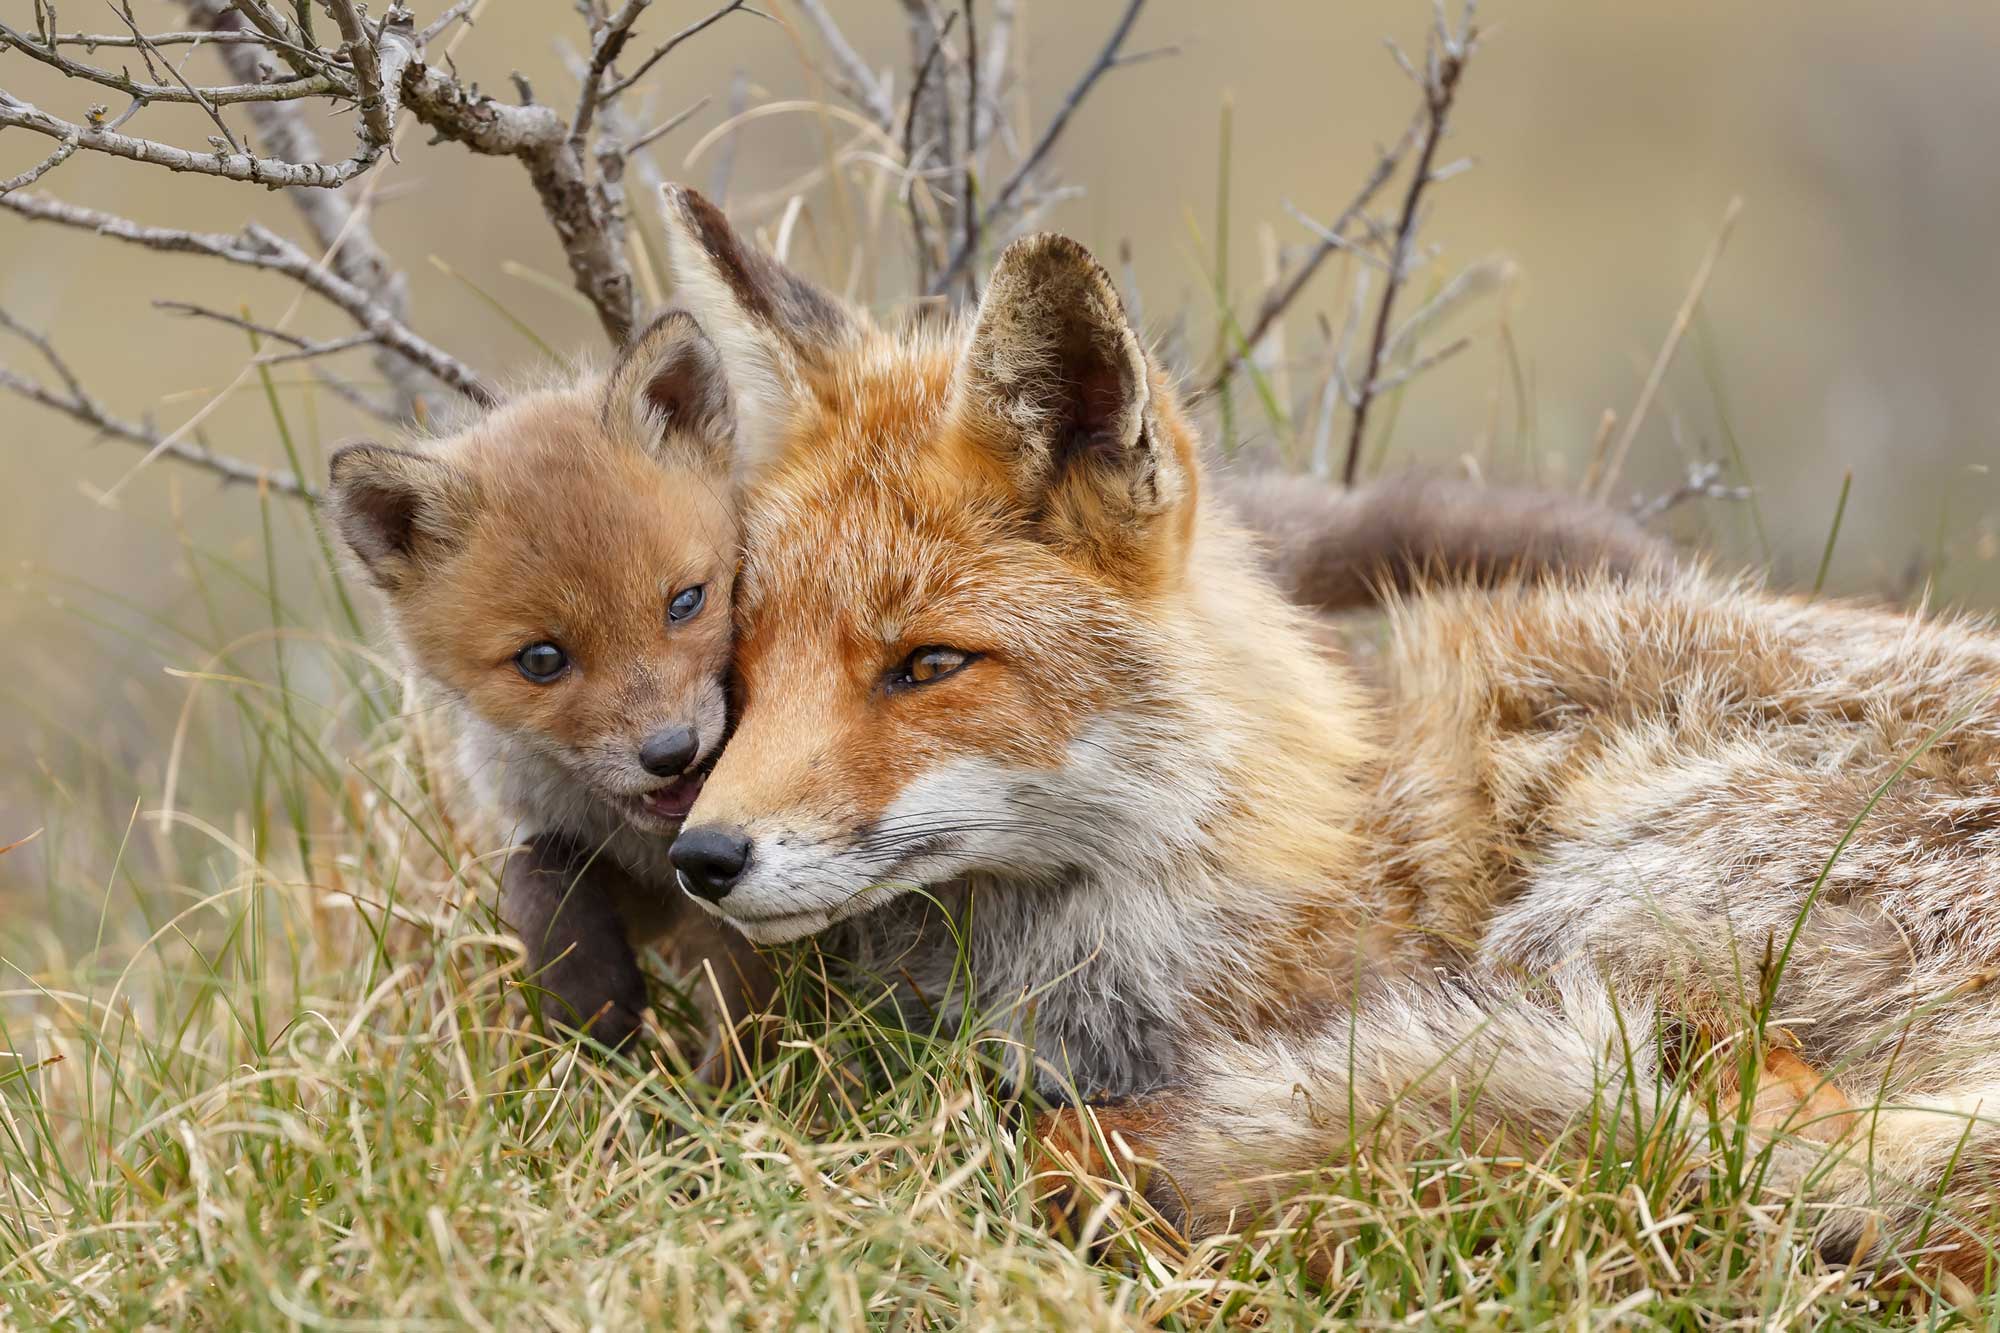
[(710, 860), (669, 751)]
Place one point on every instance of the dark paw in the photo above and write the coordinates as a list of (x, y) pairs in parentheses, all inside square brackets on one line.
[(579, 965), (603, 997)]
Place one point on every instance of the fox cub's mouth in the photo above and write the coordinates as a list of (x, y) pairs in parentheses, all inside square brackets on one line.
[(667, 805), (673, 800)]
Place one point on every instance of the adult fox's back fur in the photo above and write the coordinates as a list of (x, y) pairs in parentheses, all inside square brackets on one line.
[(998, 642)]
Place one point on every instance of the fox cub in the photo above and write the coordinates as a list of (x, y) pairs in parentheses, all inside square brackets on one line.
[(559, 575), (1011, 682)]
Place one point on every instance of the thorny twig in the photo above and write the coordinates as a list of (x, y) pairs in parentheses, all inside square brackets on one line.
[(1447, 54)]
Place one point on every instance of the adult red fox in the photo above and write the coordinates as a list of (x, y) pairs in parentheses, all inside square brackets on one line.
[(1003, 659), (557, 574)]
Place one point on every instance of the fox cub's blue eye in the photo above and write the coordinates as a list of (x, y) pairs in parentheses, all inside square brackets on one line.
[(542, 662), (686, 602)]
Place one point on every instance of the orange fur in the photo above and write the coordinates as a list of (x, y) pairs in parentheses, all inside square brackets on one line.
[(1197, 867)]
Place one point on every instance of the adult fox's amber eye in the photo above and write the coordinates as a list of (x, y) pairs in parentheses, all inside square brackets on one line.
[(686, 602), (930, 664), (542, 662)]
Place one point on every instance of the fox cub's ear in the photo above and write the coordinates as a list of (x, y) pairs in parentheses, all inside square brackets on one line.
[(670, 391), (1055, 383), (397, 510), (768, 324)]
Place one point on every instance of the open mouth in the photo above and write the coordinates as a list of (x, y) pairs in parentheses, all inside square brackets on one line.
[(671, 800)]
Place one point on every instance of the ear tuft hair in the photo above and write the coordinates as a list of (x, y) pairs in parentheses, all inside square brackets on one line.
[(669, 389), (395, 509), (767, 323), (1055, 381)]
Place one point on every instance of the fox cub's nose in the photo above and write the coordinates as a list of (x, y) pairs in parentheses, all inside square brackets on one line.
[(710, 860), (669, 751)]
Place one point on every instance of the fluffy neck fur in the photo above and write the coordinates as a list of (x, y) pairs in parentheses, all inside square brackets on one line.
[(1206, 900)]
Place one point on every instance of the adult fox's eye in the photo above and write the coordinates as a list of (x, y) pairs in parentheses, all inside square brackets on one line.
[(929, 664), (686, 602), (542, 662)]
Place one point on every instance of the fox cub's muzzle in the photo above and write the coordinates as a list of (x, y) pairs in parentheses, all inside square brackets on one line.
[(667, 752)]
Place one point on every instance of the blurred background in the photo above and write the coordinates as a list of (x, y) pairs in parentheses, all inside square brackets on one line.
[(1847, 326)]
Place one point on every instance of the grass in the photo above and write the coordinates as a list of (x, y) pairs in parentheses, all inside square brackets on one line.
[(271, 1067)]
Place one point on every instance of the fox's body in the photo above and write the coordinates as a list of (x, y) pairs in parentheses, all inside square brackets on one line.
[(999, 646), (572, 515)]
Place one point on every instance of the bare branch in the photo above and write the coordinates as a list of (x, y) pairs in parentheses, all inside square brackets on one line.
[(292, 47), (40, 169), (92, 40), (660, 131), (378, 65), (1417, 367), (229, 166), (968, 203), (1703, 482), (538, 137), (258, 247), (147, 51), (75, 402), (450, 16), (920, 234), (1004, 197), (605, 47), (666, 48), (1332, 237), (345, 238), (162, 92), (303, 349), (1440, 86)]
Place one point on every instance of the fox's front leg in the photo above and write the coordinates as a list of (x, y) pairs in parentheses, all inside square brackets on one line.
[(560, 901), (1083, 1154)]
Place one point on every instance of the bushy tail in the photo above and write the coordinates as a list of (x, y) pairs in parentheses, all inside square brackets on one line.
[(1339, 550)]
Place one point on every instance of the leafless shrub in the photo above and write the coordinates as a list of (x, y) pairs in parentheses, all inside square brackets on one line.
[(278, 70)]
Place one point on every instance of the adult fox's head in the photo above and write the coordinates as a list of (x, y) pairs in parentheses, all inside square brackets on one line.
[(969, 639), (562, 570)]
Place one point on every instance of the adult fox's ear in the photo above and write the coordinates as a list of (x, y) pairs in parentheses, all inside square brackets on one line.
[(670, 391), (769, 325), (397, 510), (1055, 384)]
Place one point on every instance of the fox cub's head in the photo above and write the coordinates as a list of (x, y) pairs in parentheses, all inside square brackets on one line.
[(562, 569), (962, 614)]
